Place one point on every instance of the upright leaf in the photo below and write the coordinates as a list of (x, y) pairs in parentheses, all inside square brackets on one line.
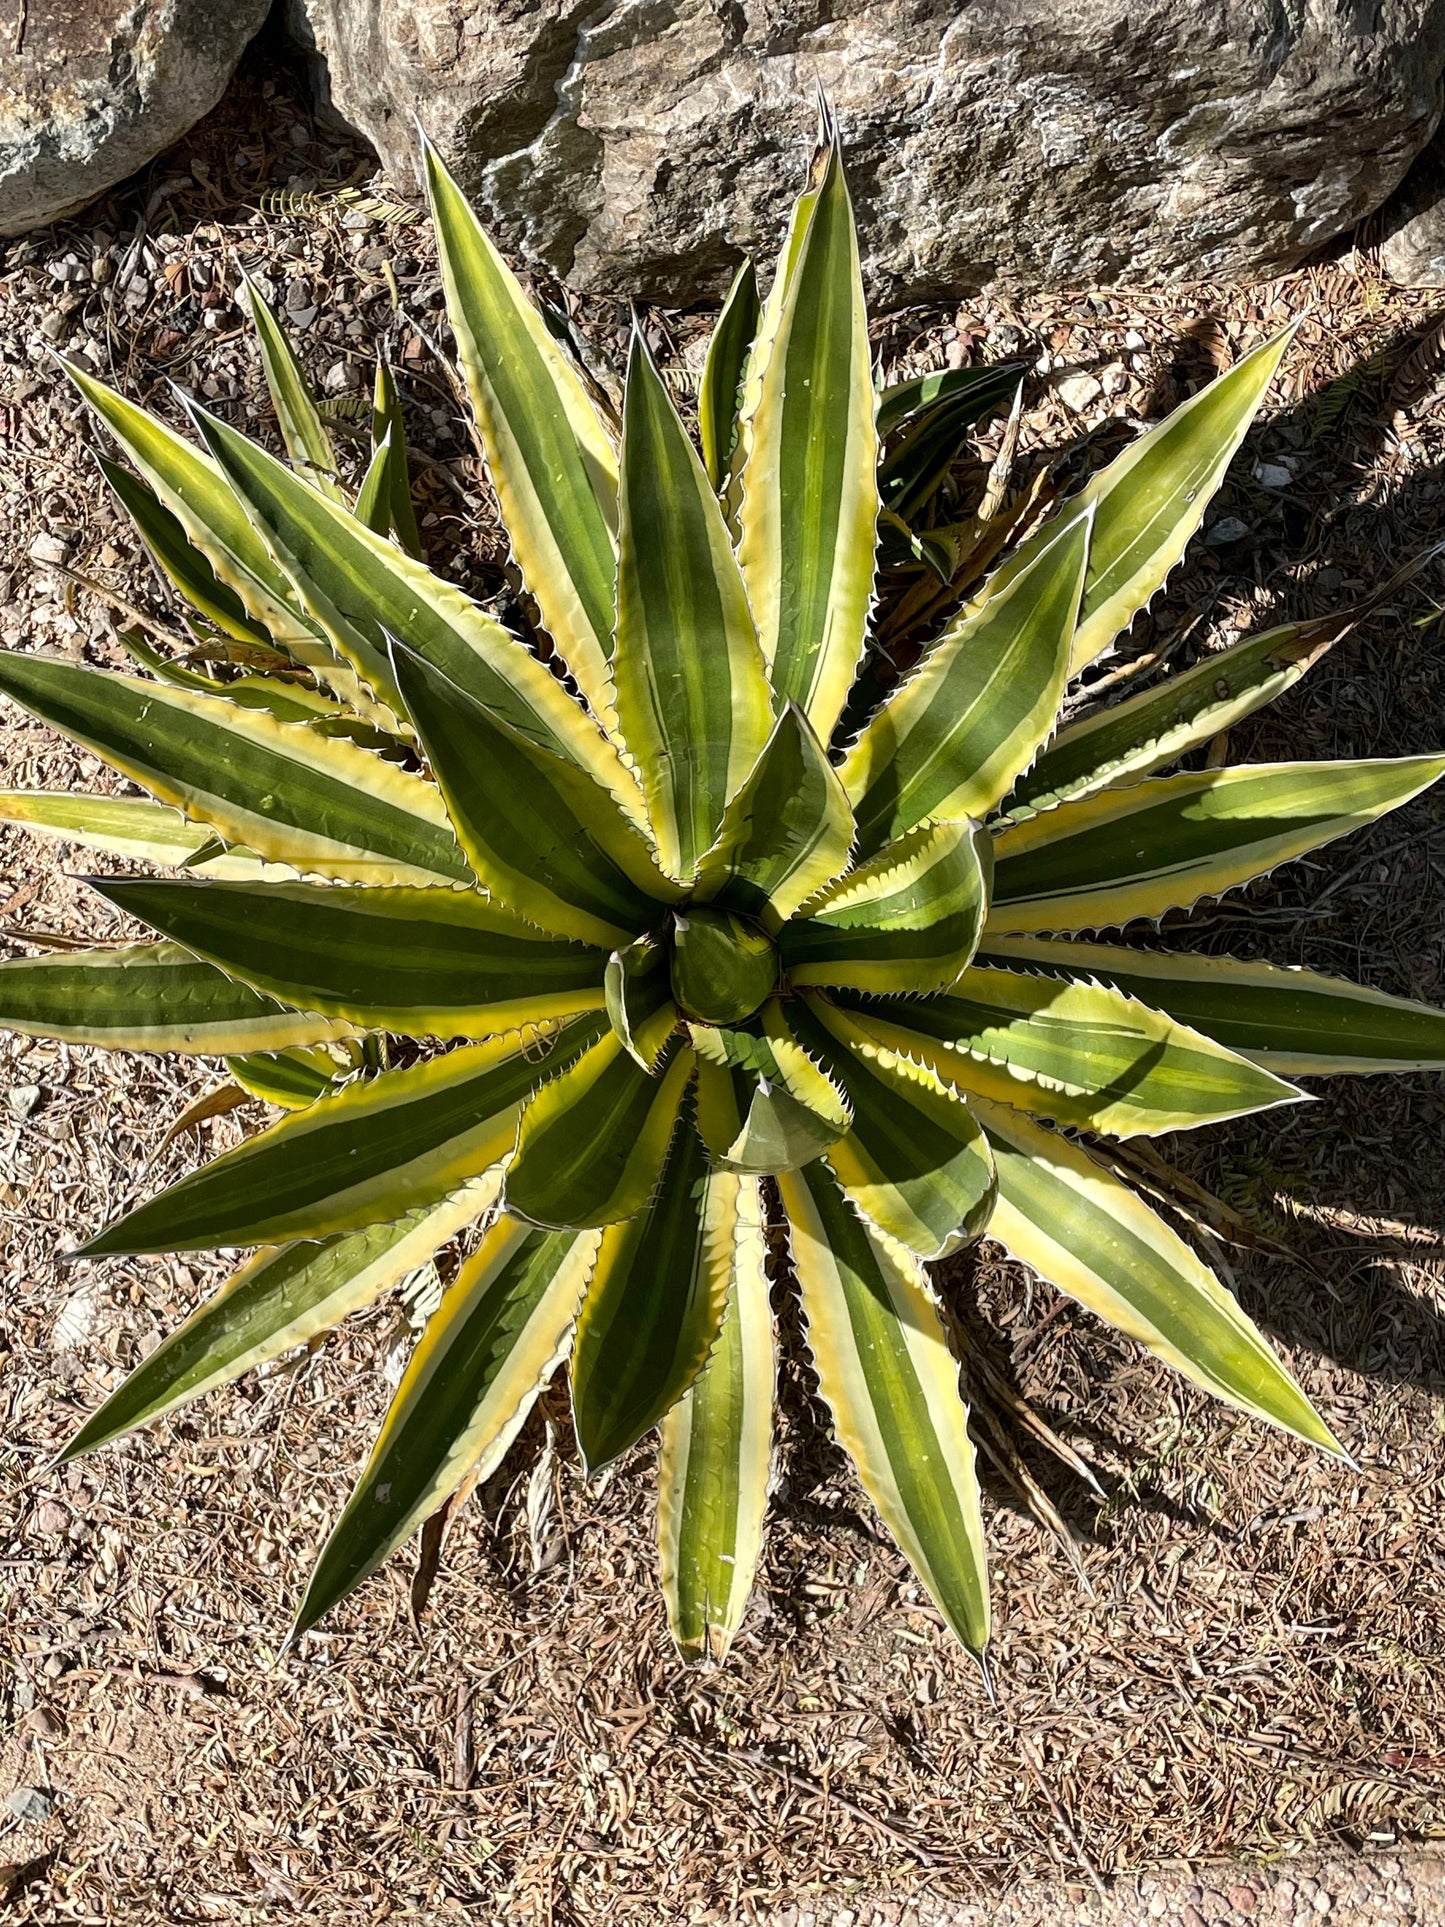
[(713, 1465), (307, 442), (655, 1304), (490, 1347), (720, 398), (183, 565), (551, 463), (538, 831), (1162, 845), (1088, 1234), (891, 1383), (810, 493), (950, 741), (692, 695), (785, 833), (388, 442)]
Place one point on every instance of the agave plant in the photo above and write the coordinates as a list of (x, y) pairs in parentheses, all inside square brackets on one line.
[(668, 920)]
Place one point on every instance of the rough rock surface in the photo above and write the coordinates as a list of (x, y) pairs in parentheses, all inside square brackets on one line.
[(90, 90), (643, 145), (1412, 252)]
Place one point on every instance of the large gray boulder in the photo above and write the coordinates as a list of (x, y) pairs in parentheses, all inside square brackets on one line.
[(642, 146), (90, 90)]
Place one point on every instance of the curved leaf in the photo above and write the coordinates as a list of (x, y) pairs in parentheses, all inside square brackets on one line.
[(1077, 1053), (909, 921), (1165, 843), (787, 831), (501, 1330), (915, 1162), (763, 1105), (719, 403), (1294, 1022), (291, 1079), (640, 1009), (307, 442), (1086, 1233), (366, 1155), (539, 833)]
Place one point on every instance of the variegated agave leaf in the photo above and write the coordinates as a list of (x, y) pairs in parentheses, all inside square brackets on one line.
[(576, 934)]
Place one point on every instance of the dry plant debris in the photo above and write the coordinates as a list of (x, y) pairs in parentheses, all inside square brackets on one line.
[(1258, 1664)]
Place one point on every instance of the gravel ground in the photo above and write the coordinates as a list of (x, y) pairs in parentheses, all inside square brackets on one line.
[(1237, 1661)]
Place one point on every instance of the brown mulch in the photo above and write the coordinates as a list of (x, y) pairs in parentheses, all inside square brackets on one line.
[(1255, 1662)]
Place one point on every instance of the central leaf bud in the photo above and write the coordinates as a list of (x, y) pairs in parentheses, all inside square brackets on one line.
[(723, 966)]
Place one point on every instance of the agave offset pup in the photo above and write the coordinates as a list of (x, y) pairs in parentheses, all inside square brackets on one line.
[(734, 931)]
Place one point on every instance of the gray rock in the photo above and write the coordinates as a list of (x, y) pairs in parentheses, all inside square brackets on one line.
[(1412, 252), (642, 146), (90, 90), (31, 1803)]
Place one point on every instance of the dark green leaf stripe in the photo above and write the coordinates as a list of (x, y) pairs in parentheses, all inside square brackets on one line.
[(1081, 1229), (364, 1156), (1294, 1022), (592, 1141), (281, 1298), (907, 921), (177, 557), (720, 398), (886, 1373), (1165, 843), (388, 441), (288, 794), (950, 741), (1147, 731), (785, 834), (692, 694), (290, 1078), (714, 1460), (652, 1311), (148, 997), (499, 1333), (927, 419), (1078, 1053), (539, 832), (810, 491), (551, 464), (428, 963), (361, 589), (915, 1162)]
